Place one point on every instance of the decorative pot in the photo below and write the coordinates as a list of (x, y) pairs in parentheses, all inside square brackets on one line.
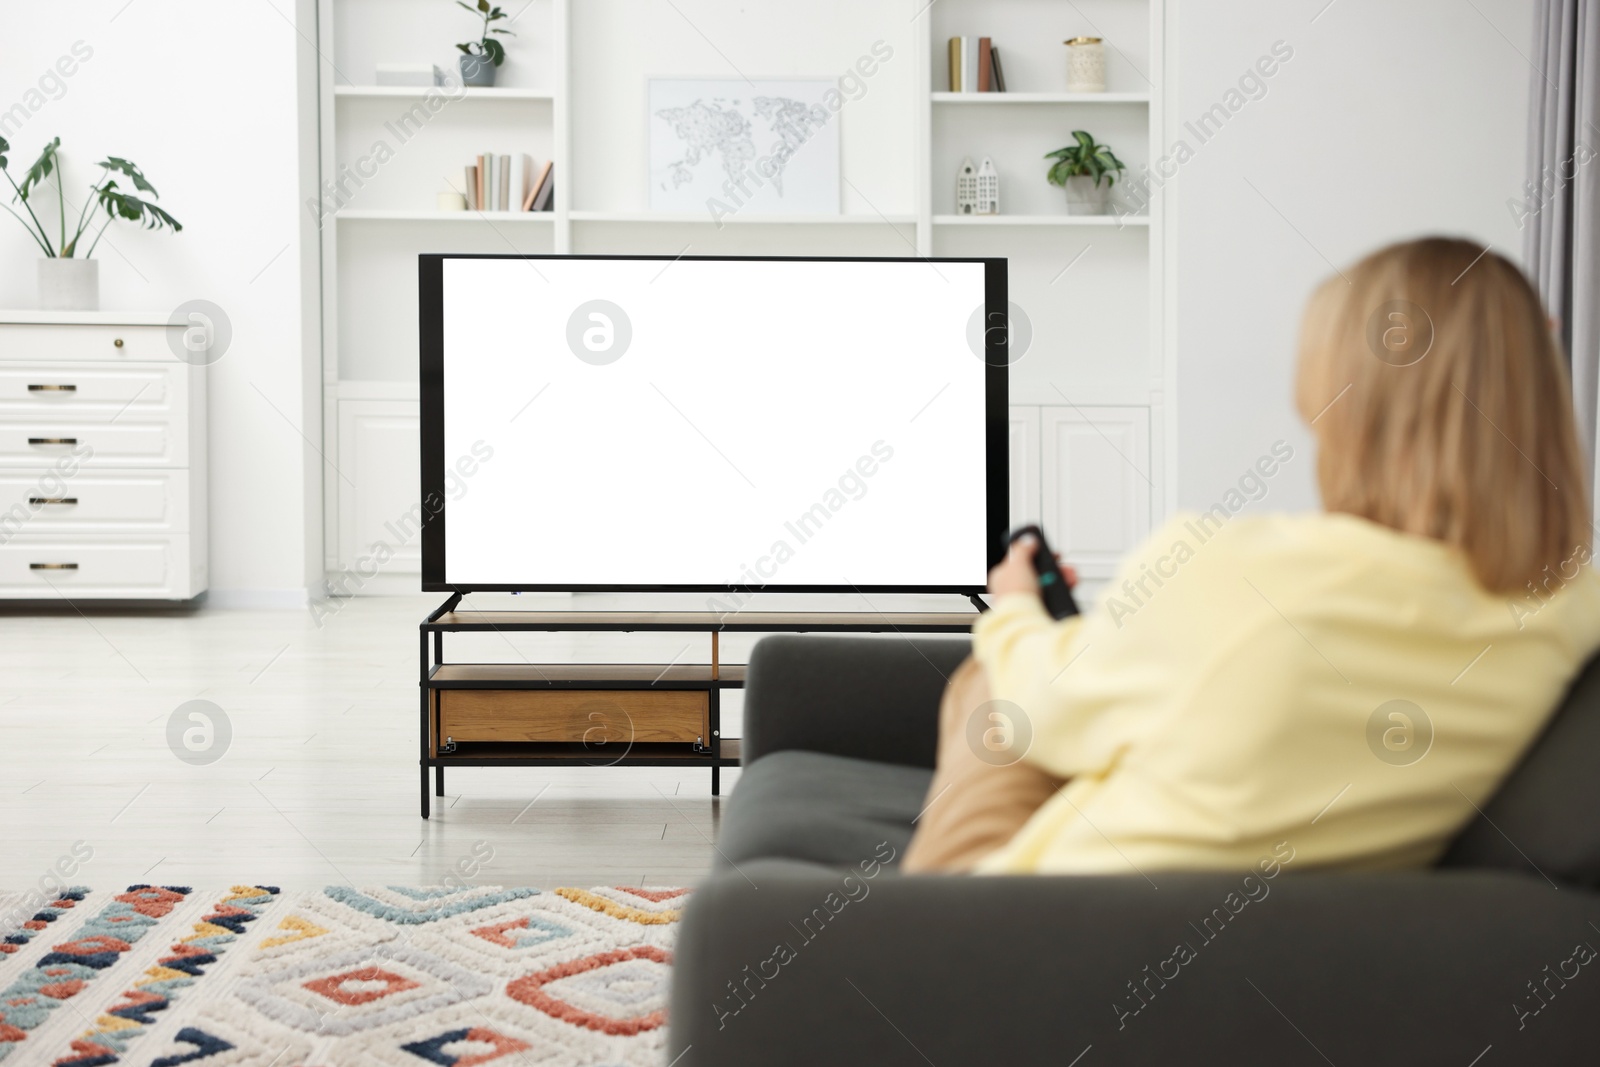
[(1084, 197), (1086, 65), (477, 70), (69, 284)]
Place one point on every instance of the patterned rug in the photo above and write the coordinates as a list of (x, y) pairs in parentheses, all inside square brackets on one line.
[(435, 977)]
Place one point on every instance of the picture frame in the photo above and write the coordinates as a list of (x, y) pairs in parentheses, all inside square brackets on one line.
[(726, 146)]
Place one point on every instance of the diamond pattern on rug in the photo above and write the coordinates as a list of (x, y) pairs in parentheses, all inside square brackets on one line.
[(465, 1047), (625, 904), (411, 907), (454, 976), (359, 990), (618, 992), (528, 935)]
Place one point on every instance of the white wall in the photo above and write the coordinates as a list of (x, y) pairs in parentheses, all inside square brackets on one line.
[(1390, 120), (203, 96)]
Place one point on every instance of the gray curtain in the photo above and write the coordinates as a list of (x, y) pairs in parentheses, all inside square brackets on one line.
[(1560, 214)]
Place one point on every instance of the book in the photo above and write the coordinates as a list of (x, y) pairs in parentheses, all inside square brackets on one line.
[(955, 64), (969, 64), (537, 188), (472, 187), (491, 181), (503, 186), (985, 69), (527, 181), (544, 201), (999, 73), (478, 200)]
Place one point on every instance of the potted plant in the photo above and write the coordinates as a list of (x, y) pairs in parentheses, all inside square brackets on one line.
[(480, 58), (1080, 169), (69, 279)]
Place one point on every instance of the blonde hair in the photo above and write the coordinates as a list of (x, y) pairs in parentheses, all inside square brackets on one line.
[(1441, 406)]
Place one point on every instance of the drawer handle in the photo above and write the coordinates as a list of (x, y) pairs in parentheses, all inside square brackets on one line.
[(117, 342), (52, 388), (38, 500), (52, 566), (52, 440)]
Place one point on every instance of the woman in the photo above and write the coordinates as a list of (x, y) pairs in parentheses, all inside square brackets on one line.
[(1346, 688)]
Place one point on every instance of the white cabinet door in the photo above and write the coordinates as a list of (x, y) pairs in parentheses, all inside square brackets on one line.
[(1096, 483), (380, 510), (1023, 436)]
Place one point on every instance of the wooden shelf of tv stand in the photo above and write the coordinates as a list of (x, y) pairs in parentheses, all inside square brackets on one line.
[(553, 754), (708, 621), (586, 676)]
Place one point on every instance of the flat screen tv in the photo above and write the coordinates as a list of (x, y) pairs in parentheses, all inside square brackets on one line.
[(712, 423)]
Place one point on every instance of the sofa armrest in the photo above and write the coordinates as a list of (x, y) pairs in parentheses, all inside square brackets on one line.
[(873, 698), (1414, 968)]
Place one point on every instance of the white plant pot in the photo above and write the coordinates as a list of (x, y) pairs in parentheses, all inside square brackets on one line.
[(69, 284), (1084, 197)]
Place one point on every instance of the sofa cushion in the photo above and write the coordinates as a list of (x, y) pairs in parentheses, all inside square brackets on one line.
[(874, 697), (825, 809), (1545, 819)]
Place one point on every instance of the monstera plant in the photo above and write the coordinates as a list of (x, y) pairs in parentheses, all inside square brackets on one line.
[(116, 201), (69, 279)]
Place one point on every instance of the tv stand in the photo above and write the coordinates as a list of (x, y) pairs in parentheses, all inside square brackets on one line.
[(604, 714)]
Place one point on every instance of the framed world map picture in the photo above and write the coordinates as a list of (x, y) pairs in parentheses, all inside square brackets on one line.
[(731, 146)]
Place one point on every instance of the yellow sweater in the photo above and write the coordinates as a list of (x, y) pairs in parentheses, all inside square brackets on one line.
[(1318, 680)]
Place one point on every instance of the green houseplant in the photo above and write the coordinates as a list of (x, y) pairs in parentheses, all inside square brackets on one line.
[(480, 58), (68, 275), (1081, 169)]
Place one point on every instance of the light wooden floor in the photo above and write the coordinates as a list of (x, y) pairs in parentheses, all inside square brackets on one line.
[(319, 782)]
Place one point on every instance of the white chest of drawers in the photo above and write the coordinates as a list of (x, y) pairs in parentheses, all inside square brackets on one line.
[(102, 459)]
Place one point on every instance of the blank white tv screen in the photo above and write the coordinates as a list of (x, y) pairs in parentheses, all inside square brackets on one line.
[(655, 423)]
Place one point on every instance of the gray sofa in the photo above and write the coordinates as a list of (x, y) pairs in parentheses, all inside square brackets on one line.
[(806, 947)]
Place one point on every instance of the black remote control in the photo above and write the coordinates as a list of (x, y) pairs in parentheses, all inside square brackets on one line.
[(1053, 587)]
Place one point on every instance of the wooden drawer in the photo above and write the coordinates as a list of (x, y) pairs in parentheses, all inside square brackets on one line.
[(50, 568), (128, 442), (572, 715), (56, 501), (38, 342), (97, 392)]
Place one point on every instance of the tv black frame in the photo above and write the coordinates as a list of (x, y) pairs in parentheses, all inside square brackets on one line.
[(430, 272)]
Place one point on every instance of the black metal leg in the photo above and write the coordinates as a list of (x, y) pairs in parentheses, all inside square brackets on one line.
[(422, 755), (438, 781), (714, 710)]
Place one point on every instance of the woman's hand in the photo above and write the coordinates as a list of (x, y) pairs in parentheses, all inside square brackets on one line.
[(1015, 573)]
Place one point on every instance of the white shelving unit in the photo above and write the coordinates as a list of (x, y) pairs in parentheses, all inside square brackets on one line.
[(408, 92), (1115, 221), (447, 216), (666, 219), (1094, 387), (999, 99)]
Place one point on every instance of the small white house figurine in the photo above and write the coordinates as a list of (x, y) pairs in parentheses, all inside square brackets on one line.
[(967, 188), (988, 189), (977, 188)]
